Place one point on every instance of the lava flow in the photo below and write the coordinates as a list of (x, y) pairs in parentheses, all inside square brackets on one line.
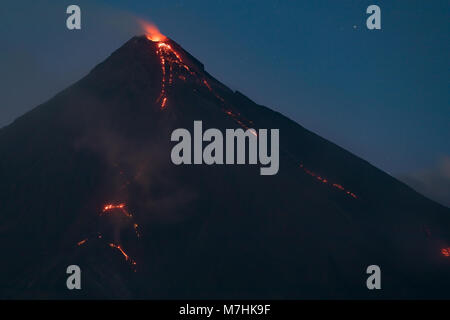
[(153, 34), (170, 59), (240, 122), (127, 257), (80, 243), (107, 208), (121, 206), (446, 252), (326, 181)]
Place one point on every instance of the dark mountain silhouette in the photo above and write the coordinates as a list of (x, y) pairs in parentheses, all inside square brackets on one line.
[(86, 179)]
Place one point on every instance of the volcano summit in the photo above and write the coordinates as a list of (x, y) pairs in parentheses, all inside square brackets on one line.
[(87, 179)]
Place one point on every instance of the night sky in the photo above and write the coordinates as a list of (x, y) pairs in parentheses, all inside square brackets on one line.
[(381, 94)]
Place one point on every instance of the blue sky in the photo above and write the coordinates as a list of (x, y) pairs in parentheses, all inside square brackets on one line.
[(381, 94)]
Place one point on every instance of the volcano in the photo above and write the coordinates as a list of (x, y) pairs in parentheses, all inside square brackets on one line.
[(87, 180)]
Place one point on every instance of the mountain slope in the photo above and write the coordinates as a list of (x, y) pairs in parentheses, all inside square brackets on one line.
[(87, 179)]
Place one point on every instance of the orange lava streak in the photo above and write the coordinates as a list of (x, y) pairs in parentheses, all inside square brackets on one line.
[(170, 57), (120, 206), (113, 206), (163, 80), (323, 180), (167, 47), (445, 252), (207, 85), (162, 96), (338, 186), (118, 247), (239, 122), (211, 90), (163, 103), (82, 242), (127, 258), (136, 226)]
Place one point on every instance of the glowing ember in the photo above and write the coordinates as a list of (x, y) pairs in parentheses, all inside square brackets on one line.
[(164, 101), (152, 32), (207, 85), (338, 186), (82, 242), (446, 252), (136, 226)]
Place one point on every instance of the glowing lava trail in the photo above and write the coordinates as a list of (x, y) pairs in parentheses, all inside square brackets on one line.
[(127, 257), (169, 60), (326, 181), (136, 229), (82, 242), (446, 252), (107, 208), (235, 117)]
